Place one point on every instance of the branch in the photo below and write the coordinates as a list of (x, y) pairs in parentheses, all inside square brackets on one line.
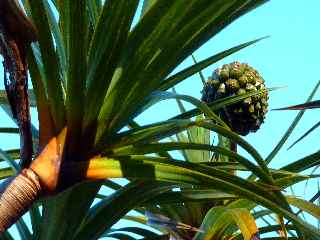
[(16, 35), (18, 197)]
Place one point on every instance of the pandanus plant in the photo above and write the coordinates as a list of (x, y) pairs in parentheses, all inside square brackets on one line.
[(93, 71), (207, 213)]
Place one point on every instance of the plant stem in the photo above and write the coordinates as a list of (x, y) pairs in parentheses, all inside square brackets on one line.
[(18, 197)]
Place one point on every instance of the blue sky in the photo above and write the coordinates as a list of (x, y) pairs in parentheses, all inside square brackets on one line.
[(290, 57)]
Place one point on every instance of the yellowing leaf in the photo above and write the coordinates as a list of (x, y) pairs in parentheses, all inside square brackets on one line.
[(245, 222), (304, 205)]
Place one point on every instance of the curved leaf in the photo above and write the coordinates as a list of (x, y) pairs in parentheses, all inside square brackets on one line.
[(184, 172), (136, 230), (148, 133), (117, 205), (220, 103), (304, 205), (190, 195), (73, 17), (159, 147), (188, 72), (12, 163), (107, 44), (50, 63), (294, 123), (6, 172), (245, 222), (305, 134), (304, 106), (203, 107), (303, 163)]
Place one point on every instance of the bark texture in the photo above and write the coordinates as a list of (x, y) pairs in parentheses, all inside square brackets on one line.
[(18, 197), (16, 35)]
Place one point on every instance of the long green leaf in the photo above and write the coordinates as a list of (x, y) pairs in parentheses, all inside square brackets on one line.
[(148, 133), (304, 205), (315, 126), (277, 228), (106, 46), (216, 224), (61, 51), (93, 12), (13, 153), (74, 16), (183, 172), (294, 123), (303, 163), (188, 72), (23, 230), (6, 172), (160, 96), (224, 102), (136, 230), (219, 219), (118, 205), (304, 106), (190, 195), (35, 218), (51, 63), (152, 148), (121, 236), (44, 114), (202, 77), (56, 224), (12, 163)]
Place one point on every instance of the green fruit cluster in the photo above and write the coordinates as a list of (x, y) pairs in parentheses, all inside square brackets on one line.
[(237, 79)]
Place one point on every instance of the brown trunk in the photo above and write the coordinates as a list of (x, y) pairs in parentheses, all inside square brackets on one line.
[(17, 91), (17, 33), (18, 197)]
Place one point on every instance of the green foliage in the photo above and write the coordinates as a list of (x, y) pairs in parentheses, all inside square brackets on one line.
[(94, 71)]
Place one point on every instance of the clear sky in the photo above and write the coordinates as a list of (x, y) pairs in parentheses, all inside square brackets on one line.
[(290, 57)]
